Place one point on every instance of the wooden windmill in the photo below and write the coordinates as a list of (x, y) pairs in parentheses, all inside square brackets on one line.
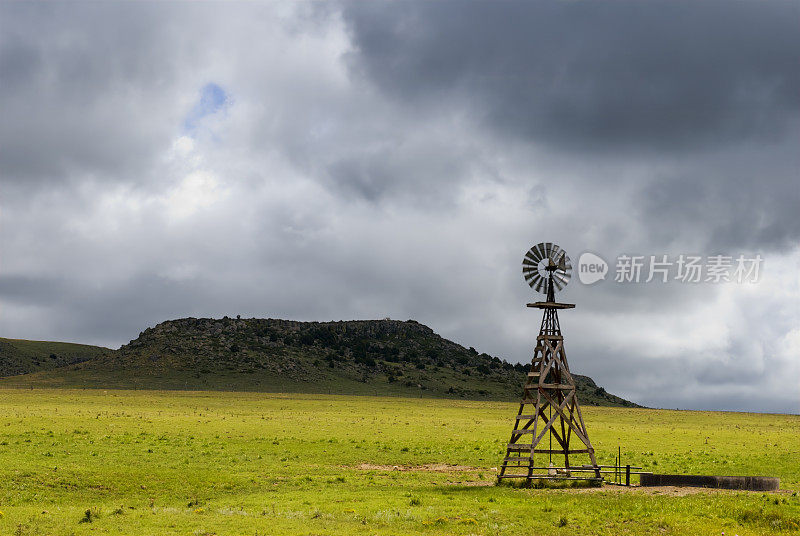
[(549, 420)]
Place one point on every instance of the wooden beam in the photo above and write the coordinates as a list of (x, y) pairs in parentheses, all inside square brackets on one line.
[(551, 305)]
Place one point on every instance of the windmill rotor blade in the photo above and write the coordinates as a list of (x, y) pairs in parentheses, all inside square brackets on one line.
[(539, 284), (565, 271), (561, 281), (564, 274), (530, 266), (531, 275), (542, 247), (532, 278), (562, 260), (533, 281), (539, 249), (542, 287), (564, 280)]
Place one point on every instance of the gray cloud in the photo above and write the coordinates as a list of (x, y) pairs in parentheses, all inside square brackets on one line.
[(87, 90), (670, 82), (584, 76), (742, 197)]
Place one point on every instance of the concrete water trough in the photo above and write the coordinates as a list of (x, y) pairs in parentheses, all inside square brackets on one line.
[(753, 483)]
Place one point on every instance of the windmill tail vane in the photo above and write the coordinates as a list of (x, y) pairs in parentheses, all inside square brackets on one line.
[(549, 421)]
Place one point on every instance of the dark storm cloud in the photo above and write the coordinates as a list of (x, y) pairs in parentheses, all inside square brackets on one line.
[(669, 81), (82, 311), (592, 75), (742, 198)]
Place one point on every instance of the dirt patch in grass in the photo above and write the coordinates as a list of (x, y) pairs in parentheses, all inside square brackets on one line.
[(428, 467), (670, 491), (472, 483)]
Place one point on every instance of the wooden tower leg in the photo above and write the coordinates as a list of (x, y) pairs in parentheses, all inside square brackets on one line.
[(555, 389)]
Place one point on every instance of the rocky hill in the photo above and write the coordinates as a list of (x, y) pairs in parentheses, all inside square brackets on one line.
[(20, 356), (348, 357)]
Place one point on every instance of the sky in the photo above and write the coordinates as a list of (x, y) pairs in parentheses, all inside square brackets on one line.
[(363, 160)]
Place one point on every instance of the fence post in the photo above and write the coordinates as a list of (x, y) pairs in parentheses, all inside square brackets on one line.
[(628, 475)]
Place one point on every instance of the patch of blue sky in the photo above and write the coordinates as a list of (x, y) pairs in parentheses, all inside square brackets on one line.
[(212, 99)]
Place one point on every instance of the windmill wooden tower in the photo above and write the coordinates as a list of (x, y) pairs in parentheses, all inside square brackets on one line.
[(549, 420)]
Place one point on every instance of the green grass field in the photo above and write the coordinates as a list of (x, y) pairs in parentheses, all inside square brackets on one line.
[(195, 463)]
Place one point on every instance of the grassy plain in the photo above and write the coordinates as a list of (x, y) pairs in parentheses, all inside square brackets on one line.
[(201, 463)]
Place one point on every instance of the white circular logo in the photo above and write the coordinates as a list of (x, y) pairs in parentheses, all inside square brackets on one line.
[(591, 268)]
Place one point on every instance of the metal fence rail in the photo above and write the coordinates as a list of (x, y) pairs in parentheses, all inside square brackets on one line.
[(564, 473)]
